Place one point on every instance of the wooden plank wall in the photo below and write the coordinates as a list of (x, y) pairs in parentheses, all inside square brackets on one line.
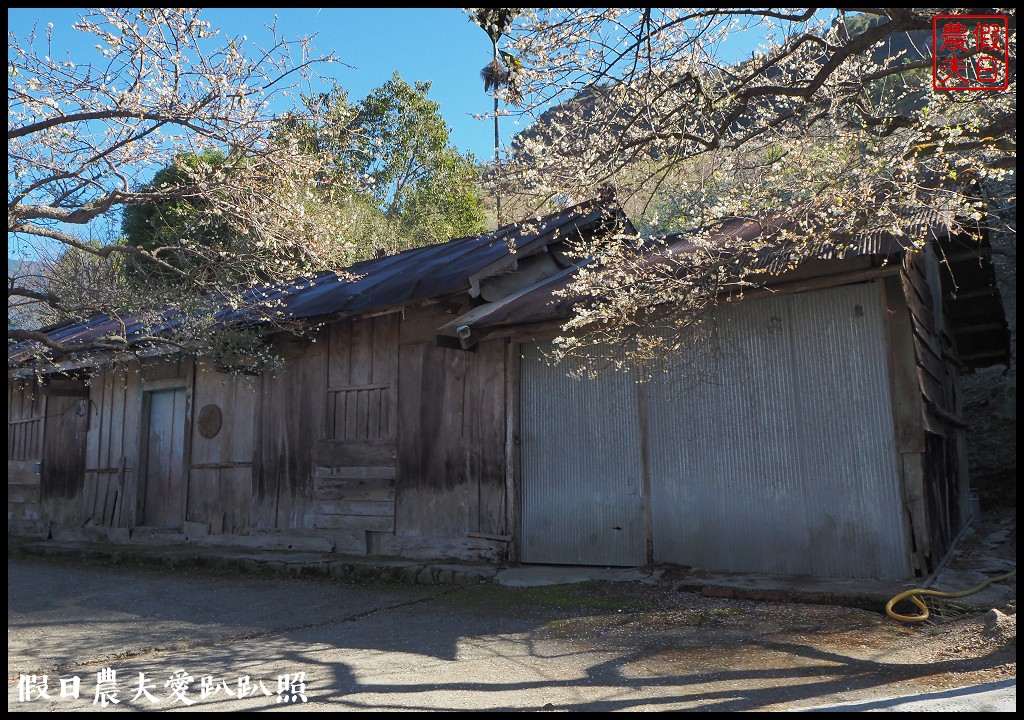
[(64, 439), (939, 470), (451, 487), (354, 483), (112, 453), (290, 418), (111, 489), (26, 407), (908, 418), (361, 376), (927, 320), (220, 493)]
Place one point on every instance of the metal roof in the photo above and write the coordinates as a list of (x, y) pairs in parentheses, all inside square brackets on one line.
[(974, 303), (456, 266), (372, 285)]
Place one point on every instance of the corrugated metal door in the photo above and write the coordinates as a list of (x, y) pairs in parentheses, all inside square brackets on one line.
[(581, 496), (164, 500), (784, 461)]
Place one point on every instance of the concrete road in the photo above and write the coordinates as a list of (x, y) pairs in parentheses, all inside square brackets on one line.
[(990, 697), (87, 637)]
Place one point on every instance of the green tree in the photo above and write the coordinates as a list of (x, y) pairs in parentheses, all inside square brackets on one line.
[(387, 174), (391, 163), (173, 224)]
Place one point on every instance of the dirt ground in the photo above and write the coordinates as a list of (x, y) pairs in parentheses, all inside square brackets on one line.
[(746, 655), (596, 646)]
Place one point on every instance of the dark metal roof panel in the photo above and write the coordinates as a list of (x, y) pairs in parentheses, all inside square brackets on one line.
[(380, 283), (542, 303)]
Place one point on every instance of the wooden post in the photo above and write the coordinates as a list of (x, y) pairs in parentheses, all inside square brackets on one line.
[(908, 416), (512, 446)]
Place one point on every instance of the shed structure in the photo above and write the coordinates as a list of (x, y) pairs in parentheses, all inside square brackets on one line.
[(417, 418)]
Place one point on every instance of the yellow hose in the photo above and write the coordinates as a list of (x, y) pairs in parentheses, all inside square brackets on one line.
[(912, 595)]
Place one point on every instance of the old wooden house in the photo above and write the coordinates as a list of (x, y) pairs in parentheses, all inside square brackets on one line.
[(418, 419)]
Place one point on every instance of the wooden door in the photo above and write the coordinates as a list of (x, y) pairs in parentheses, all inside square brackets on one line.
[(164, 455)]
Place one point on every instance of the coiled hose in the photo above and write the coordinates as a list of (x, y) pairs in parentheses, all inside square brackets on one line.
[(912, 595)]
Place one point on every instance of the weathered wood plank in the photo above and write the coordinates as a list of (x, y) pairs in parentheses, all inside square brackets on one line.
[(355, 493), (351, 418), (373, 401), (341, 484), (362, 351), (103, 406), (267, 474), (468, 549), (347, 388), (292, 416), (167, 368), (340, 415), (66, 389), (210, 389), (434, 493), (116, 434), (908, 406), (343, 453), (513, 356), (928, 342), (63, 451), (218, 466), (376, 508), (362, 415), (411, 436), (916, 272), (202, 492), (385, 369), (98, 510), (931, 386), (110, 504), (916, 501), (419, 325), (340, 343), (917, 306), (387, 471), (22, 492), (355, 522), (491, 417), (132, 439), (24, 420), (345, 542), (236, 498), (22, 472), (16, 423), (471, 436), (385, 349)]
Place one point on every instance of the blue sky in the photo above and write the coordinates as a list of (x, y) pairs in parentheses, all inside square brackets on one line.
[(435, 44)]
